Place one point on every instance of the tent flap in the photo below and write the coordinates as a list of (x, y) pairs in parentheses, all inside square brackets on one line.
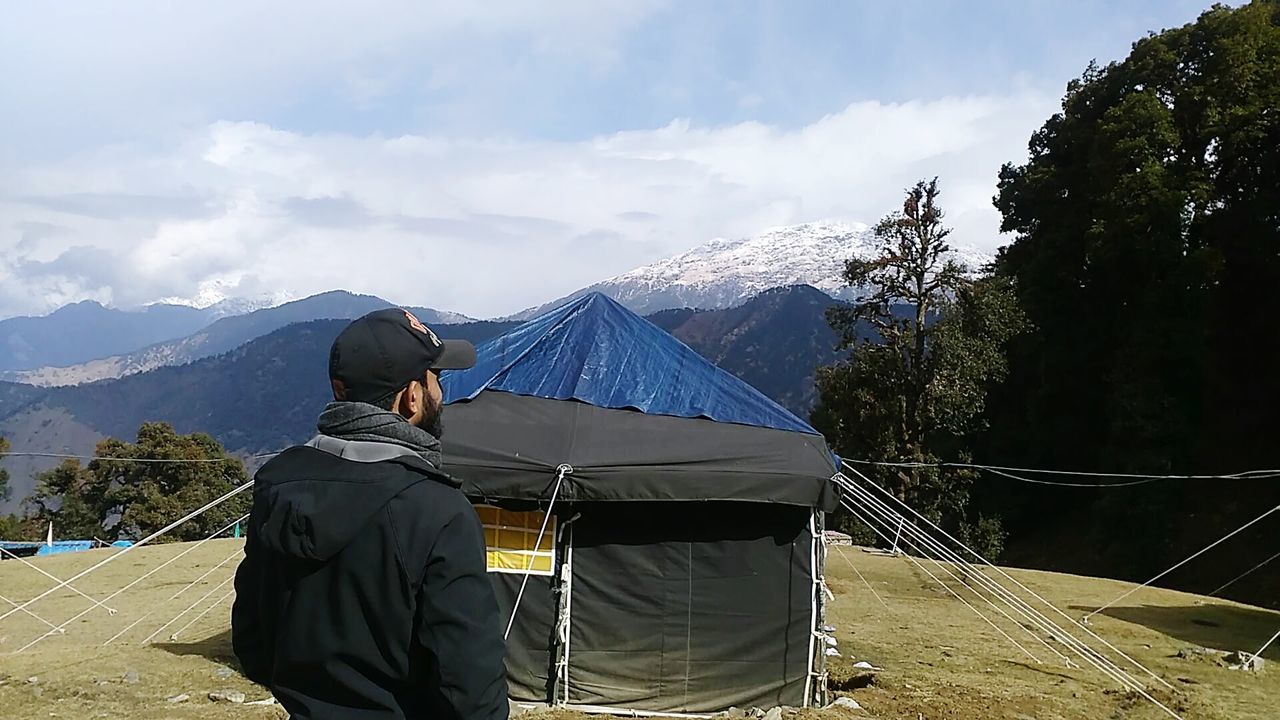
[(690, 609)]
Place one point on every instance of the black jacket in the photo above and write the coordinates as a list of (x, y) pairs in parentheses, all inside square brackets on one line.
[(363, 591)]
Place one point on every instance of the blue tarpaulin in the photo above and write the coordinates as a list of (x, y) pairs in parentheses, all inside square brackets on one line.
[(596, 351), (58, 547)]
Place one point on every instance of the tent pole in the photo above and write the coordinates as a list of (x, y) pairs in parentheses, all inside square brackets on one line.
[(565, 626), (815, 611), (820, 549)]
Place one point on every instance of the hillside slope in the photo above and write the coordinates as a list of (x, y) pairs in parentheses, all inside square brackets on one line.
[(264, 395), (775, 341)]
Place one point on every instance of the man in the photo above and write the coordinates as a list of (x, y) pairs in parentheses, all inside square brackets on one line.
[(363, 591)]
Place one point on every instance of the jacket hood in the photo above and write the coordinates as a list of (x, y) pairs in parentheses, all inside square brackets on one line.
[(312, 506)]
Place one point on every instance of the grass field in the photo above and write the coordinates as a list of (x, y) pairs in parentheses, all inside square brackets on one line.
[(939, 659)]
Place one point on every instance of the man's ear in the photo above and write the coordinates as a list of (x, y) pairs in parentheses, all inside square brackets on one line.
[(400, 405), (415, 398)]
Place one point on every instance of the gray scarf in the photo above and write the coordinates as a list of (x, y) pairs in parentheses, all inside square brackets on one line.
[(370, 423)]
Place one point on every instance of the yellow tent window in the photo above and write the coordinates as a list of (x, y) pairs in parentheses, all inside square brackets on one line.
[(512, 541)]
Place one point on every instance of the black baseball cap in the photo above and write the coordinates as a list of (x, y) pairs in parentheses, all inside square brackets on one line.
[(379, 354)]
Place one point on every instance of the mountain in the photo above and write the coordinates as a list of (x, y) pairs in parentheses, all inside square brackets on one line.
[(86, 330), (220, 298), (725, 273), (221, 336), (263, 395)]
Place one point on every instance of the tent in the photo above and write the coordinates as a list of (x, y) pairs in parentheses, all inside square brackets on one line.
[(679, 568)]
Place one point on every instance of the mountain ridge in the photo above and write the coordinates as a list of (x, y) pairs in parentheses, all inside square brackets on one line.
[(81, 331), (222, 335), (724, 273)]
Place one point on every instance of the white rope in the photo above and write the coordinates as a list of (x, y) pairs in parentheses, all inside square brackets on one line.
[(860, 577), (1245, 475), (1088, 654), (62, 456), (136, 545), (1267, 644), (561, 471), (1059, 483), (1010, 599), (1002, 573), (149, 573), (190, 607), (46, 622), (206, 611), (1206, 549), (178, 594), (1011, 579), (891, 518), (953, 592), (1077, 646), (24, 561), (1243, 575)]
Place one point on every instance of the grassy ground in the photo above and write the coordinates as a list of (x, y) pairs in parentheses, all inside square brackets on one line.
[(939, 659)]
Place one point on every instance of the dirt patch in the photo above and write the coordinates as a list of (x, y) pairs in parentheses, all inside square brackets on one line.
[(851, 682)]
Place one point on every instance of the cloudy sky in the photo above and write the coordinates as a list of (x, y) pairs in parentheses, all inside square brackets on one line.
[(486, 157)]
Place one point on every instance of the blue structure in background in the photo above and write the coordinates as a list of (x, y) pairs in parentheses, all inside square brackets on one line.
[(27, 549), (596, 351)]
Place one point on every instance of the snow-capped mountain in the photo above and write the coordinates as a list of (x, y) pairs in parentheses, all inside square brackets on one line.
[(726, 273), (216, 298)]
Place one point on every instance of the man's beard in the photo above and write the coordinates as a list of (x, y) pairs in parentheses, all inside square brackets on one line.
[(432, 421)]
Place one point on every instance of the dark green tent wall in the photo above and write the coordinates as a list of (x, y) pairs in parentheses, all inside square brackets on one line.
[(690, 608)]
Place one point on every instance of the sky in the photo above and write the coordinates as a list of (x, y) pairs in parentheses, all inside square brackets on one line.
[(487, 157)]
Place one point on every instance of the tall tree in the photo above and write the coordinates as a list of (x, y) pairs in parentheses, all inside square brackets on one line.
[(130, 490), (1146, 254), (149, 495), (913, 389)]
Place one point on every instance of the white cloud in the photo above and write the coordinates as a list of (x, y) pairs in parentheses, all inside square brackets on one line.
[(484, 227), (136, 68)]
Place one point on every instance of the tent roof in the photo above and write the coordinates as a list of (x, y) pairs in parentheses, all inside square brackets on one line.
[(596, 351), (507, 446)]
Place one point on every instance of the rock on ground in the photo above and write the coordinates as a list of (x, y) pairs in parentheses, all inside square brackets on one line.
[(1242, 660), (231, 696), (847, 703)]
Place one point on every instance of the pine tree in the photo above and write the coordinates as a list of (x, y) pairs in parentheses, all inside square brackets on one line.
[(913, 389)]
